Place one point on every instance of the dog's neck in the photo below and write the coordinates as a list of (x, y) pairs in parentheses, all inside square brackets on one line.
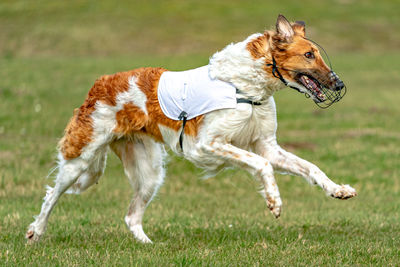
[(235, 64)]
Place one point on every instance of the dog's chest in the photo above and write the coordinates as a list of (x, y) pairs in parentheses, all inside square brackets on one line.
[(261, 123), (244, 125)]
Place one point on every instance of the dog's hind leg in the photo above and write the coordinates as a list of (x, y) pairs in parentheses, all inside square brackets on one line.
[(69, 171), (79, 172), (74, 176), (289, 163), (142, 159)]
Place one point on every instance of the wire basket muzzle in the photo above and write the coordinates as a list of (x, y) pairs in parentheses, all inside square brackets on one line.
[(331, 95)]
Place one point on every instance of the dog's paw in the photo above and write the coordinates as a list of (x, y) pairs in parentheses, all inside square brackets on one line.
[(139, 234), (276, 211), (344, 192), (275, 206), (31, 236)]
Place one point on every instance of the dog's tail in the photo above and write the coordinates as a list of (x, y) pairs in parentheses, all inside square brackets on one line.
[(61, 147)]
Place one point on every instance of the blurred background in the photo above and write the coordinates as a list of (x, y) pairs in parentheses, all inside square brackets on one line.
[(51, 52)]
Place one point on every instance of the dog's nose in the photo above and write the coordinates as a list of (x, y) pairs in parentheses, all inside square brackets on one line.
[(338, 83)]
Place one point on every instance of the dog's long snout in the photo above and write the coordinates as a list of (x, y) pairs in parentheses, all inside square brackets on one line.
[(336, 81)]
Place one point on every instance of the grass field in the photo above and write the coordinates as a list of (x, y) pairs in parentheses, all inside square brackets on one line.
[(52, 51)]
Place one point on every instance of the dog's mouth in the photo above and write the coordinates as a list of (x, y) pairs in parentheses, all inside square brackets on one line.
[(314, 87)]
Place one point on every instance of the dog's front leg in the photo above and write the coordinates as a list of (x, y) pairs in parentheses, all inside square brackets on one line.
[(287, 162), (256, 165)]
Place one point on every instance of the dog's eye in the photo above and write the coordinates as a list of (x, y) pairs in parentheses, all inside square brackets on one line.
[(309, 55)]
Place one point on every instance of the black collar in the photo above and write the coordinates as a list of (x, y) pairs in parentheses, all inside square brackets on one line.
[(246, 100)]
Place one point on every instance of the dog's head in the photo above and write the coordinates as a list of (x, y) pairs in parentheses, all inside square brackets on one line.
[(298, 61)]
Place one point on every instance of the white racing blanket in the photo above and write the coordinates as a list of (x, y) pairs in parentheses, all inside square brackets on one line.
[(194, 92)]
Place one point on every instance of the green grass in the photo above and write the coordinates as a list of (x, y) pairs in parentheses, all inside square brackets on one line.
[(52, 51)]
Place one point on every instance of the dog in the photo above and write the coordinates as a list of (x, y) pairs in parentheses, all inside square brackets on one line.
[(123, 112)]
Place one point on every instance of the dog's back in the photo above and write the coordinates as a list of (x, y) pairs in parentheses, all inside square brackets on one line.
[(132, 98)]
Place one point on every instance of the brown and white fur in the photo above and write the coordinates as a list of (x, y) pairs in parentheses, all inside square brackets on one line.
[(122, 112)]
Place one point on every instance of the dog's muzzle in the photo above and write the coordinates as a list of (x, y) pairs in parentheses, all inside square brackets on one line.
[(328, 96), (323, 90)]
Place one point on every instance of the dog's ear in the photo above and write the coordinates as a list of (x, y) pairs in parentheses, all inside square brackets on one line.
[(299, 28), (284, 29)]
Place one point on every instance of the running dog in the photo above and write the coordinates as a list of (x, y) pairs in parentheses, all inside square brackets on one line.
[(135, 113)]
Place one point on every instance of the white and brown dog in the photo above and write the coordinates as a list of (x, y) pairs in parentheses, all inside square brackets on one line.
[(123, 112)]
